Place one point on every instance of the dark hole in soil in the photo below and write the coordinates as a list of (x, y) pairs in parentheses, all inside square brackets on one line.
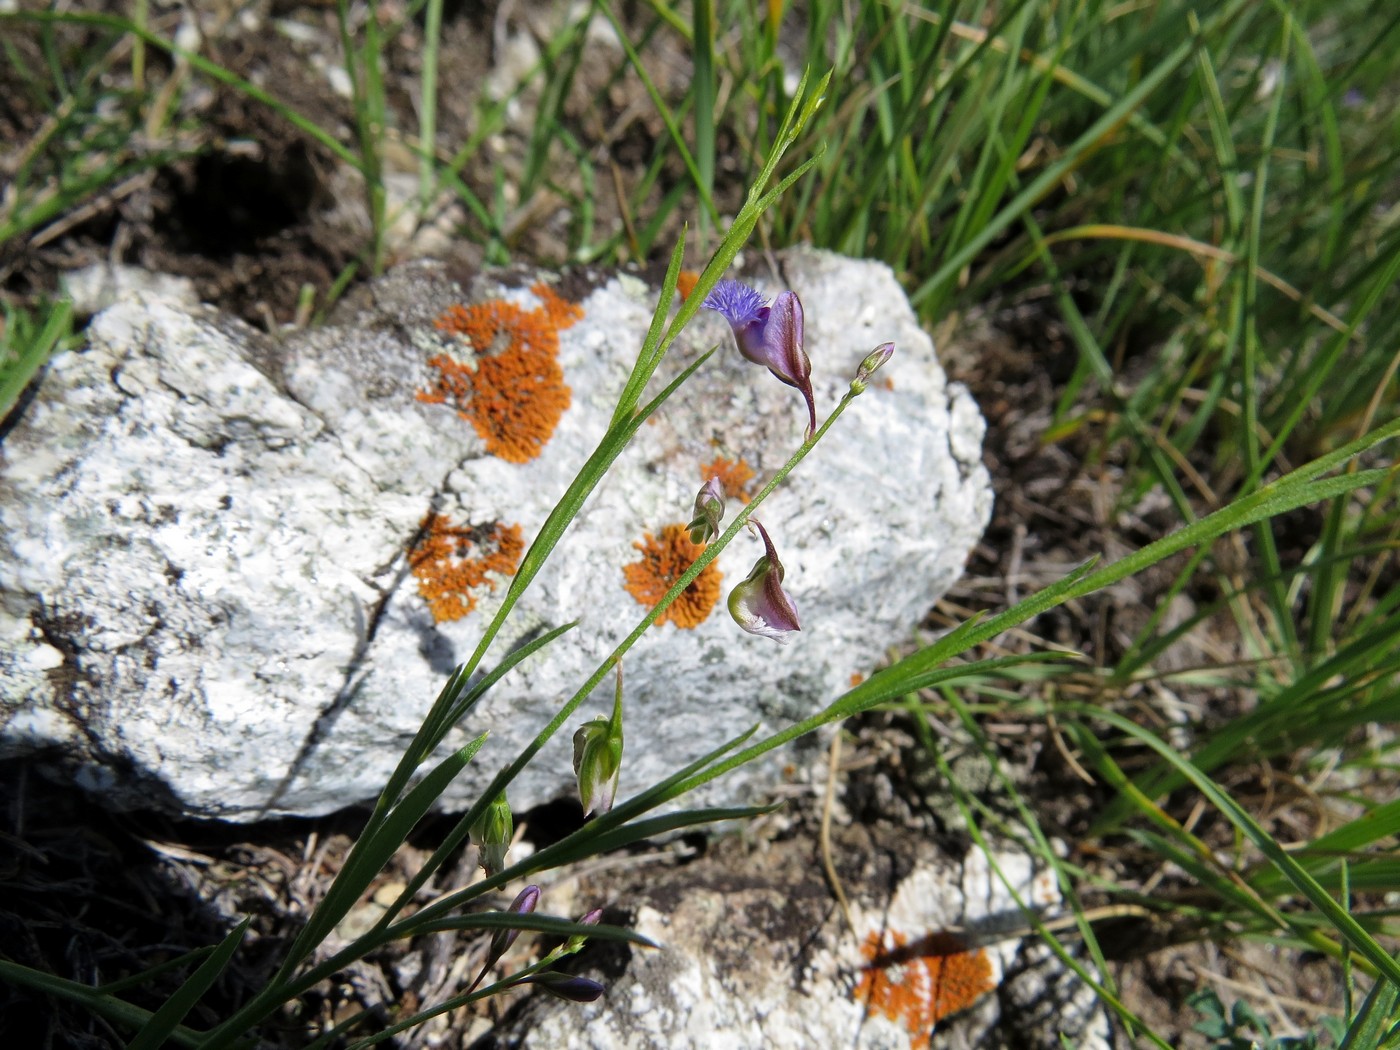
[(552, 821), (228, 204)]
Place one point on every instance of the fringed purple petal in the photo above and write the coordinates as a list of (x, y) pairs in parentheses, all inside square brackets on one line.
[(738, 303), (768, 335)]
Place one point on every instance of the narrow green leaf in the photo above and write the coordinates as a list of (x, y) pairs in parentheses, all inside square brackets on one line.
[(22, 354), (550, 924), (372, 851), (1377, 1012), (167, 1018)]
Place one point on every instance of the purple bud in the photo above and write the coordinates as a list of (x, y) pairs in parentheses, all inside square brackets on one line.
[(566, 986), (591, 918), (502, 939), (768, 335), (759, 604)]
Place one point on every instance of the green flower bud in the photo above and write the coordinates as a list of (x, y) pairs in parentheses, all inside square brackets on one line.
[(492, 833), (598, 758), (873, 361), (709, 512)]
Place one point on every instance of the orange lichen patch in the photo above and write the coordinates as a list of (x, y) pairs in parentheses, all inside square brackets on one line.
[(734, 476), (923, 982), (856, 678), (512, 391), (686, 281), (452, 562), (559, 310), (662, 563)]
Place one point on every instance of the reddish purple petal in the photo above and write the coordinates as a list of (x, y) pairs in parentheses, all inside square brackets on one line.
[(786, 358)]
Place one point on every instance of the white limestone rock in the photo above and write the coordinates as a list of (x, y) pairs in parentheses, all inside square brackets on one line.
[(205, 595), (754, 956), (101, 285)]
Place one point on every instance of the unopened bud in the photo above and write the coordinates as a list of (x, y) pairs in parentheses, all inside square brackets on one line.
[(872, 363), (598, 757), (566, 986), (709, 512), (591, 918), (502, 939), (492, 833)]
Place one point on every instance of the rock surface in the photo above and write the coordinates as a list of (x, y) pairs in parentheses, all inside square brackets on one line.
[(235, 572), (754, 955)]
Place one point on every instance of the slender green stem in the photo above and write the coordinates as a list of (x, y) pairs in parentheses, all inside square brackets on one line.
[(427, 127), (703, 92)]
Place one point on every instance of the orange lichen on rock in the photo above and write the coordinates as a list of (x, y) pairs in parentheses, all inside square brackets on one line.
[(453, 563), (686, 281), (559, 310), (923, 982), (512, 389), (734, 476), (662, 563)]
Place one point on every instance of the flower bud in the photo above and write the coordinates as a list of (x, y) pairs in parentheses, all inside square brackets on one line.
[(709, 512), (492, 833), (502, 939), (566, 986), (598, 758), (591, 918), (872, 363)]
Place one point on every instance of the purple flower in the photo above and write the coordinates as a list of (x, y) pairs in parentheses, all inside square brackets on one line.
[(760, 605), (768, 335)]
